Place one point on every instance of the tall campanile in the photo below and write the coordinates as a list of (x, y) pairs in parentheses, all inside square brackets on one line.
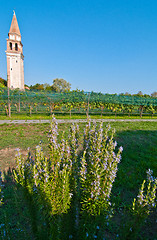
[(15, 67)]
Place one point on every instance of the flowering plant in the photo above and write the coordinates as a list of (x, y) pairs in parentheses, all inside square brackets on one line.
[(145, 201), (142, 206), (72, 181), (98, 168)]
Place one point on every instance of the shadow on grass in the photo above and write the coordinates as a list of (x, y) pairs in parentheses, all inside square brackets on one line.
[(22, 217), (14, 215), (139, 155)]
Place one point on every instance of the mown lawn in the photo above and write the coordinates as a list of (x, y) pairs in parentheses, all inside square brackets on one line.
[(139, 141), (75, 116)]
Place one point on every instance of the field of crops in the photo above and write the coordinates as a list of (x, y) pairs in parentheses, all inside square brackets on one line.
[(80, 184), (72, 103)]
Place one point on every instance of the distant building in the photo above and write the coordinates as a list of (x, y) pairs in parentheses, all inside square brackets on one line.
[(15, 58)]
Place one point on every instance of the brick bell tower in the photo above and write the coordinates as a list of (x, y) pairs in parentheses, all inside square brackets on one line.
[(15, 58)]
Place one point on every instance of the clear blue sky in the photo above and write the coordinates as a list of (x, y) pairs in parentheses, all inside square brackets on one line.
[(105, 46)]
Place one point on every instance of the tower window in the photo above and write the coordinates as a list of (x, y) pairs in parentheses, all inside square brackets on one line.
[(10, 46), (11, 68), (16, 47)]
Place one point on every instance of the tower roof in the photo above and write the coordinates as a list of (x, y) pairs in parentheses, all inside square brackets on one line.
[(14, 28)]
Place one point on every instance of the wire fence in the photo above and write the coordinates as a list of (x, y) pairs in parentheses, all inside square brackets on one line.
[(45, 102)]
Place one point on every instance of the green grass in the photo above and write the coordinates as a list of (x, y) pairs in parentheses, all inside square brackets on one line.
[(139, 140), (73, 116)]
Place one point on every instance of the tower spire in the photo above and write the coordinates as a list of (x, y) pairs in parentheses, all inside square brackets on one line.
[(14, 28), (15, 58)]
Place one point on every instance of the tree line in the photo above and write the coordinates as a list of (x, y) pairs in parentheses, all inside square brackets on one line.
[(61, 85)]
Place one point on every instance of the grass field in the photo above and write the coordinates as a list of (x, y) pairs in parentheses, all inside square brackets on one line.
[(75, 116), (139, 140)]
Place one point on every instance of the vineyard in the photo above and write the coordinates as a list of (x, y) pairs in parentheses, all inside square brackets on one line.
[(75, 102)]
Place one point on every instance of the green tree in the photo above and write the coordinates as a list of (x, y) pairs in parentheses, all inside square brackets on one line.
[(139, 94), (60, 85), (154, 94), (37, 86), (47, 87), (1, 85), (3, 82), (127, 94)]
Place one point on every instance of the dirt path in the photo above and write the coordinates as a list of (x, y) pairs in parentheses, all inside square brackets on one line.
[(74, 121)]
